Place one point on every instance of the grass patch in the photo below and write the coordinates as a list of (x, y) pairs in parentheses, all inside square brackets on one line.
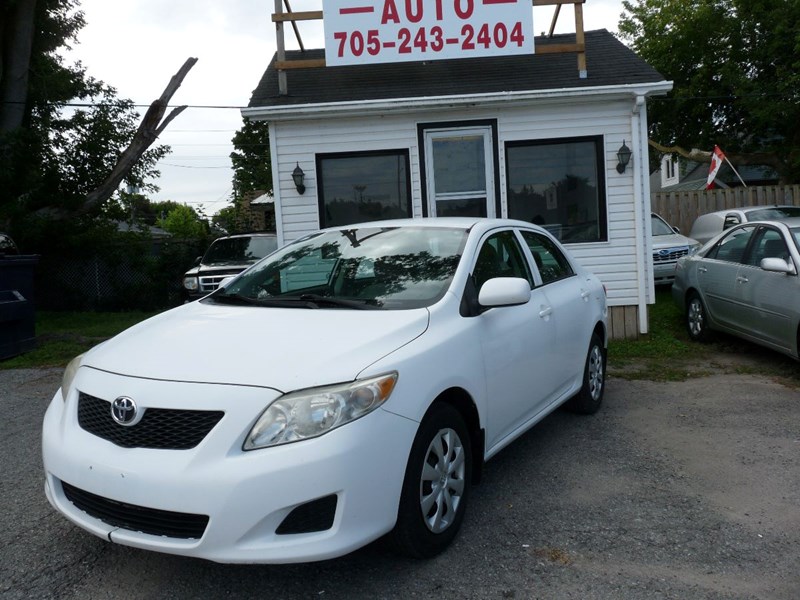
[(667, 353), (62, 336), (664, 353)]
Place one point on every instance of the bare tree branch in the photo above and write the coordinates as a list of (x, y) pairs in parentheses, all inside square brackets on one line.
[(149, 129), (770, 159)]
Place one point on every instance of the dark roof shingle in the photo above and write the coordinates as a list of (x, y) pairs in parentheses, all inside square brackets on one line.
[(609, 63)]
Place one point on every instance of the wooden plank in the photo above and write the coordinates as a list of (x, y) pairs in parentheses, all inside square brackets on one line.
[(309, 63), (581, 41), (309, 15), (283, 87), (558, 48), (554, 2)]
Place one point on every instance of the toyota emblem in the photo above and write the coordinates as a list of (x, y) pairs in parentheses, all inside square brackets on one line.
[(123, 410)]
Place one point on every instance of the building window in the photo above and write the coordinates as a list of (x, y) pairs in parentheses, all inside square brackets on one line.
[(363, 186), (560, 185)]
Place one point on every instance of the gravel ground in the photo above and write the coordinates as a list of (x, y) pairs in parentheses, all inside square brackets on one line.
[(673, 490)]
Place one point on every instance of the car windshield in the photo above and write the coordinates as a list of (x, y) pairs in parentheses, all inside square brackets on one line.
[(368, 268), (239, 250), (774, 213), (659, 226)]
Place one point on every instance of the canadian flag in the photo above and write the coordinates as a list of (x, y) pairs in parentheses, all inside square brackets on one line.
[(716, 162)]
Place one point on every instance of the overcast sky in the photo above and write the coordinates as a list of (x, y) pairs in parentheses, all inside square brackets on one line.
[(137, 45)]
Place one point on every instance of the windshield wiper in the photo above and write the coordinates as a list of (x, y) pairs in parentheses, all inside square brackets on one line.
[(290, 302), (342, 302), (235, 299), (303, 300)]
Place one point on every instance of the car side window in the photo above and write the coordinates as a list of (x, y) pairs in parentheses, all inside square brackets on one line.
[(550, 261), (731, 248), (500, 256), (767, 243)]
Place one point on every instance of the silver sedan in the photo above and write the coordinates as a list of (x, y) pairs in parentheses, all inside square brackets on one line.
[(745, 282)]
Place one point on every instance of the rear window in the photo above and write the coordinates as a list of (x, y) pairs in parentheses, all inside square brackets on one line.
[(774, 213), (239, 250)]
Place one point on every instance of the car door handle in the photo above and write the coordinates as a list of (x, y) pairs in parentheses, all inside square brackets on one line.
[(546, 311), (702, 270), (742, 279), (585, 295)]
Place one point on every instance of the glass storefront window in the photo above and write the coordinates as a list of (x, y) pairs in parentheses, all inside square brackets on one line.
[(363, 186), (559, 184)]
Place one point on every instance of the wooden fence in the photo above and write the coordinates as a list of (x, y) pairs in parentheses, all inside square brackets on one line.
[(682, 208)]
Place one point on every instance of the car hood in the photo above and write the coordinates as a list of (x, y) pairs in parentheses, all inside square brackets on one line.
[(281, 348), (674, 240)]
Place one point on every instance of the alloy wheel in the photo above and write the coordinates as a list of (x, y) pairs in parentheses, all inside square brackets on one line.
[(442, 483)]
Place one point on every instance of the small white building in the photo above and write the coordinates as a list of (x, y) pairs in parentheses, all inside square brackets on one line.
[(528, 137)]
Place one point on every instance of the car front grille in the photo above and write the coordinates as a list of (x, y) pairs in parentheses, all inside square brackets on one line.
[(159, 428), (670, 254), (208, 283), (137, 518)]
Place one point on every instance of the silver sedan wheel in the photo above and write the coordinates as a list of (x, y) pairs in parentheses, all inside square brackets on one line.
[(696, 317), (442, 483), (595, 372)]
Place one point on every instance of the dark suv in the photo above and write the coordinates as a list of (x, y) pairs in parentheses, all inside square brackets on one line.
[(225, 257)]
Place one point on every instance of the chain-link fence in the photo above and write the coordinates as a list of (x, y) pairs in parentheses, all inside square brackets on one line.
[(134, 275)]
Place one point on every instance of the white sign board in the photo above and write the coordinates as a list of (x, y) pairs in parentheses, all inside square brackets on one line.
[(382, 31)]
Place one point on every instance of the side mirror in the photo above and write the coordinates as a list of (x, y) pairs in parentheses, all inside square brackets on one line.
[(504, 291), (676, 229), (778, 265), (197, 261)]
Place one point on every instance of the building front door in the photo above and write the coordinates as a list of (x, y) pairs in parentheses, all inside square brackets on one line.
[(459, 166)]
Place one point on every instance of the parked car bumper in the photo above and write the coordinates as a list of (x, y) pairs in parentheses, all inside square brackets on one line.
[(246, 495)]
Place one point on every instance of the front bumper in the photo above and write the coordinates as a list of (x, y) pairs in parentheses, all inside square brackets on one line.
[(246, 495), (664, 272)]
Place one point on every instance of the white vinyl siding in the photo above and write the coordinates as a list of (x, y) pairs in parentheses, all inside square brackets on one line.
[(617, 261)]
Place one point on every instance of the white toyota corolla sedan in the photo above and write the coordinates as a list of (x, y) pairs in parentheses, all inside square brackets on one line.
[(348, 386)]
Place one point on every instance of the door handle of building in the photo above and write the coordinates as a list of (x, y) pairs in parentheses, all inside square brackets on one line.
[(546, 311)]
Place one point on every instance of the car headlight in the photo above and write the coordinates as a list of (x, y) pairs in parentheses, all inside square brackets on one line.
[(69, 376), (310, 413), (190, 283)]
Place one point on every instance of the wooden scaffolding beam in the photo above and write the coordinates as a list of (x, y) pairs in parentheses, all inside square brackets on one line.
[(281, 16)]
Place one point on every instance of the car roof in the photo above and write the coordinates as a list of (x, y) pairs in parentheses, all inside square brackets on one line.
[(452, 222), (789, 222), (241, 235), (747, 209)]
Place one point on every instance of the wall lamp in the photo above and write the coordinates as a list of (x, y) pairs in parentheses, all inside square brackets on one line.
[(297, 177), (624, 157)]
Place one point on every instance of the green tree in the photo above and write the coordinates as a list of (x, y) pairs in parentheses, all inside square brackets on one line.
[(183, 222), (252, 168), (735, 65), (66, 140)]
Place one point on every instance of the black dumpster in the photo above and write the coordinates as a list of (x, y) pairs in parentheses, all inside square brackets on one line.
[(17, 312)]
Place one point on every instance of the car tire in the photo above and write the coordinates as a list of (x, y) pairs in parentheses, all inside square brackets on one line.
[(588, 400), (697, 319), (436, 485)]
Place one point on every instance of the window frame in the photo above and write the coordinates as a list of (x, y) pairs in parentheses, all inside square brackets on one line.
[(602, 199), (405, 153), (563, 261)]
